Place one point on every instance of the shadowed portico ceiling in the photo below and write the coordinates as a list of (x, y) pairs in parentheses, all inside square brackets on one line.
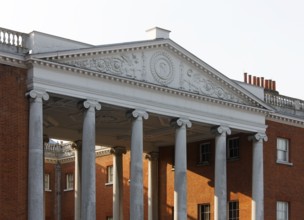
[(63, 119)]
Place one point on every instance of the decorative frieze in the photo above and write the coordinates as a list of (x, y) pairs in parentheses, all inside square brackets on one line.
[(127, 65), (162, 68), (158, 67), (195, 81)]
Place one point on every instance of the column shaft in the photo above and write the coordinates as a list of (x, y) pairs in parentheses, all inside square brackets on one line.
[(36, 160), (257, 177), (180, 169), (118, 182), (136, 184), (88, 175), (220, 197)]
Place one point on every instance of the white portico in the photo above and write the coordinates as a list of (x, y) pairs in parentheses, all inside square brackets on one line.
[(139, 94)]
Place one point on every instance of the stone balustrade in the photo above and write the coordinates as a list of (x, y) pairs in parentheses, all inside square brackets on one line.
[(13, 38), (285, 104)]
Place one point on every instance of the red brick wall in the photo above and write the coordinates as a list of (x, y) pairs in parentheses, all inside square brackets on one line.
[(104, 192), (50, 195), (283, 182), (67, 196), (200, 180), (14, 143)]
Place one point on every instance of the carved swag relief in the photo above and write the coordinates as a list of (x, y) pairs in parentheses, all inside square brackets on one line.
[(162, 70), (196, 82), (130, 65)]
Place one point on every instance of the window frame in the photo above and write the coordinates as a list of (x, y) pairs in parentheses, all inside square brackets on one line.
[(110, 175), (47, 182), (69, 185), (236, 149), (285, 211), (202, 217), (204, 151), (234, 211), (286, 152)]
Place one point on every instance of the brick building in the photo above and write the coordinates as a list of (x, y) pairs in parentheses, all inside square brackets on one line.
[(151, 131)]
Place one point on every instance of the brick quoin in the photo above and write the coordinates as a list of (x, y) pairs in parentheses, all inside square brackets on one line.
[(14, 143)]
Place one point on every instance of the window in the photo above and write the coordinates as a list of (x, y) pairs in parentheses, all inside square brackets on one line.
[(233, 212), (282, 210), (69, 181), (204, 153), (233, 151), (204, 212), (110, 174), (282, 150), (109, 218), (47, 182)]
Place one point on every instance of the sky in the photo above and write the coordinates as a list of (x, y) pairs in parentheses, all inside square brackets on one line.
[(264, 38)]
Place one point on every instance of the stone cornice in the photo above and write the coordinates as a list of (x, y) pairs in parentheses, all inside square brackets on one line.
[(12, 60), (285, 119), (54, 160), (130, 81)]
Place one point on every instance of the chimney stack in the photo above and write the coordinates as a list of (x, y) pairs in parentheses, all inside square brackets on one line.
[(260, 81)]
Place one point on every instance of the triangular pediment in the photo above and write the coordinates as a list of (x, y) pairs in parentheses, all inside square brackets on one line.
[(159, 62)]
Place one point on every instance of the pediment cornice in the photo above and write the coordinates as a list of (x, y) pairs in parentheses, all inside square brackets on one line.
[(159, 64)]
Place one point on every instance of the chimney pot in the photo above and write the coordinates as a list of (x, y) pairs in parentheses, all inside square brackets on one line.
[(258, 81), (250, 82)]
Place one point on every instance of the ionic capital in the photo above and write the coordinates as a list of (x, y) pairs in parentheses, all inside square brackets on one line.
[(38, 95), (152, 156), (257, 137), (137, 113), (181, 122), (118, 150), (91, 104), (219, 130)]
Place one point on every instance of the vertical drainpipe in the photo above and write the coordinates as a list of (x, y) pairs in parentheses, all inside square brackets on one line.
[(58, 191)]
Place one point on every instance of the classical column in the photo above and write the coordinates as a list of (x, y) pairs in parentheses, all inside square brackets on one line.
[(118, 182), (152, 185), (36, 161), (88, 172), (77, 180), (220, 197), (180, 168), (136, 184), (257, 212)]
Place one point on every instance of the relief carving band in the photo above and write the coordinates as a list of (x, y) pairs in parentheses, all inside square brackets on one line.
[(196, 82), (123, 65), (162, 68)]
